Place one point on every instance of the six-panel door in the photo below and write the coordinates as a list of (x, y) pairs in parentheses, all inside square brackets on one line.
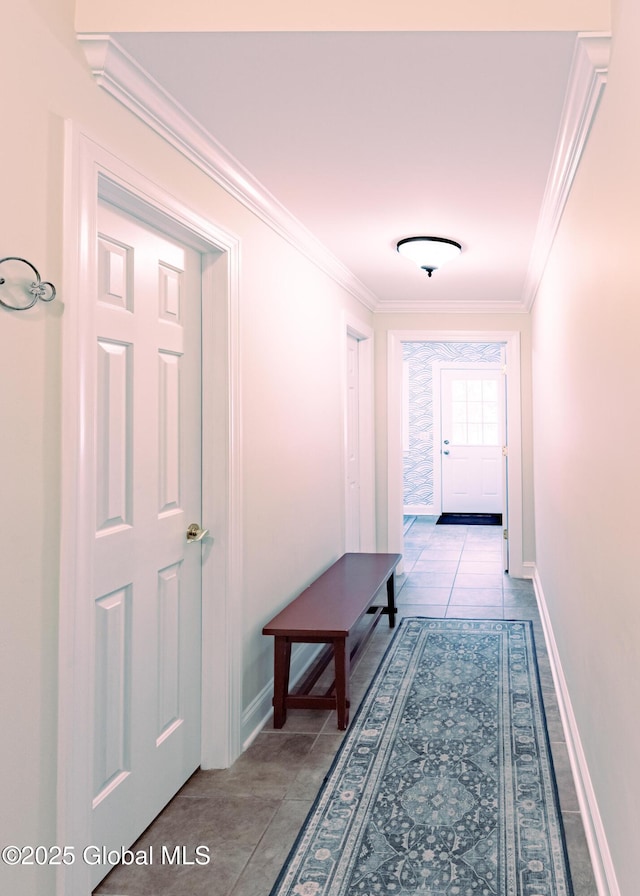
[(147, 582)]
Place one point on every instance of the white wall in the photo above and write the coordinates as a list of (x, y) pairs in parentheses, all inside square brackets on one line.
[(586, 387), (291, 319)]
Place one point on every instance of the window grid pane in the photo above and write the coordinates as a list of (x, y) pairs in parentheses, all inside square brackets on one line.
[(490, 412), (489, 390), (474, 411), (459, 411), (474, 390)]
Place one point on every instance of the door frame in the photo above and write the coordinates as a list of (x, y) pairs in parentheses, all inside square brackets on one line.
[(511, 341), (352, 326), (93, 172)]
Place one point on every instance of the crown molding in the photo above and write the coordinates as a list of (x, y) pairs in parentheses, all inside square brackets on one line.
[(587, 80), (124, 79), (449, 307)]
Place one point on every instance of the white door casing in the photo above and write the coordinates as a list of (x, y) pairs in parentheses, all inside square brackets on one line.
[(359, 473), (511, 340), (352, 534), (471, 437), (92, 172)]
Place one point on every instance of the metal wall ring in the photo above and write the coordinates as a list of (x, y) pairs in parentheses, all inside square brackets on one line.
[(42, 290)]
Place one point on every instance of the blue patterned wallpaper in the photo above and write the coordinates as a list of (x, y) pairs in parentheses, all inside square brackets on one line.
[(418, 456)]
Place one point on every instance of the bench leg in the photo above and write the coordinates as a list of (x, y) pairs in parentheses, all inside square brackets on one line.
[(342, 665), (391, 600), (281, 665)]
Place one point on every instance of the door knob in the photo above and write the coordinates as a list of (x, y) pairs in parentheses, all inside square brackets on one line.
[(446, 451), (446, 441), (195, 533)]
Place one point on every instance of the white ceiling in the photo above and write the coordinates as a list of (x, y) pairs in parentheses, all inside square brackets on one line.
[(370, 137)]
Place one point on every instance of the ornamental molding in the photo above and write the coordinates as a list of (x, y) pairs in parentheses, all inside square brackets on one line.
[(128, 82), (587, 81)]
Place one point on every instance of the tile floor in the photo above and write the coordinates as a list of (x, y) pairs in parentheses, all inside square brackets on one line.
[(249, 815)]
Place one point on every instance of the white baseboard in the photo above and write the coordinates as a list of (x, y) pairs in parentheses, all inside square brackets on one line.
[(603, 868), (259, 711), (419, 510)]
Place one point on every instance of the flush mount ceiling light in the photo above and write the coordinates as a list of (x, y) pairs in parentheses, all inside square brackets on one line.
[(429, 252)]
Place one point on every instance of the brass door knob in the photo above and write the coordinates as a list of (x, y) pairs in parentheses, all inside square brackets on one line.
[(195, 533)]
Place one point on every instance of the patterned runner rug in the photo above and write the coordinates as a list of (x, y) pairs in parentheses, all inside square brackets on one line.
[(444, 784)]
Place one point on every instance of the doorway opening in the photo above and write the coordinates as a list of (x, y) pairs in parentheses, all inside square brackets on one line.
[(359, 476), (94, 176), (416, 438), (447, 426)]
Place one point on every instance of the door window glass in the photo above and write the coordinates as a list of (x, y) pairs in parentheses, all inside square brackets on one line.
[(474, 409)]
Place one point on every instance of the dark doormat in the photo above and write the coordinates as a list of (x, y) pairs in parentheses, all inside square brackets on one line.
[(470, 519)]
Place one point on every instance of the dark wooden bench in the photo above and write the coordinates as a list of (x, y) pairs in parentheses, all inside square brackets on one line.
[(329, 611)]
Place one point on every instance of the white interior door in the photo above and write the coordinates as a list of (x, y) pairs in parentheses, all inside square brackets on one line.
[(147, 577), (352, 538), (472, 439)]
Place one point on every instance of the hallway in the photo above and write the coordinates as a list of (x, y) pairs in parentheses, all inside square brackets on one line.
[(249, 815), (458, 571)]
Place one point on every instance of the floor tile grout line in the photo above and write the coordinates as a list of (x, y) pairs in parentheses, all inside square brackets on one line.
[(239, 883), (254, 850), (453, 584)]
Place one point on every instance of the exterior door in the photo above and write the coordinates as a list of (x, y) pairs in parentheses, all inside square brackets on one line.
[(147, 577), (472, 440), (352, 540)]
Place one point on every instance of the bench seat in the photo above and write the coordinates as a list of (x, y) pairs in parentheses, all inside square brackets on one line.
[(329, 611)]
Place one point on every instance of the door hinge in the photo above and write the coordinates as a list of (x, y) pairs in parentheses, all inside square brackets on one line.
[(505, 534), (505, 451)]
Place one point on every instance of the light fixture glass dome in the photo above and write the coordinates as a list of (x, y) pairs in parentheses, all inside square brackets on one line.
[(429, 252)]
